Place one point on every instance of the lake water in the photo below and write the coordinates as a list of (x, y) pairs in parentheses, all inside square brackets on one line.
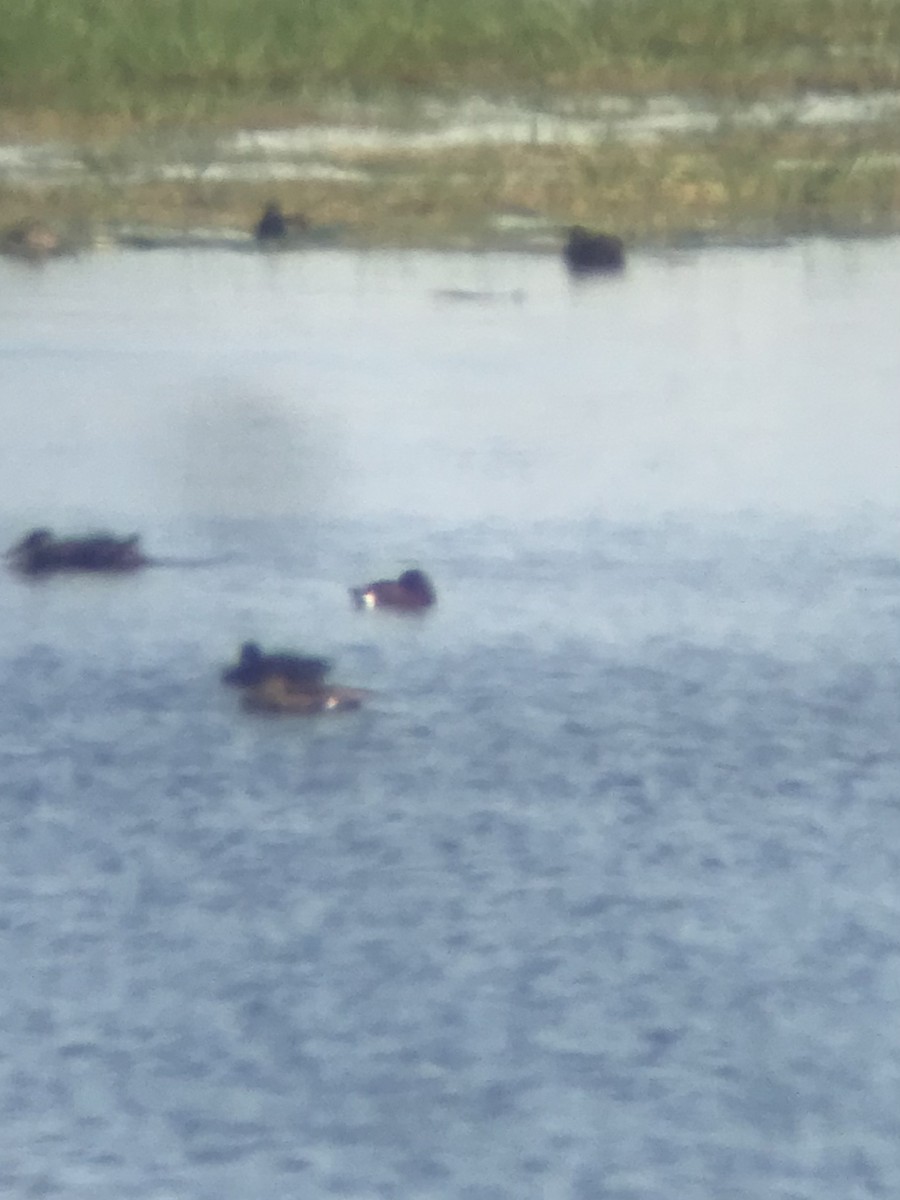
[(598, 898)]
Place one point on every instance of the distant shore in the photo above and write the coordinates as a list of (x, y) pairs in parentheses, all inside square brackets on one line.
[(500, 121)]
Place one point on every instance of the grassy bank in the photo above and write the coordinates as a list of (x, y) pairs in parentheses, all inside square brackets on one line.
[(132, 85), (741, 184), (211, 59)]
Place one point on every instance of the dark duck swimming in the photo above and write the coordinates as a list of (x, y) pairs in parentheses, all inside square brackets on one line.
[(288, 683), (253, 667), (412, 590), (276, 226), (42, 552), (587, 252)]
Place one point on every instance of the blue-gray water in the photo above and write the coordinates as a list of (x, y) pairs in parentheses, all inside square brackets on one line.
[(598, 898)]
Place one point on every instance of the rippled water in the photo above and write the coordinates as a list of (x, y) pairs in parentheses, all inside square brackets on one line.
[(598, 897)]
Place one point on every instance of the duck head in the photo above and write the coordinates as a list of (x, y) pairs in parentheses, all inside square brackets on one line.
[(418, 583)]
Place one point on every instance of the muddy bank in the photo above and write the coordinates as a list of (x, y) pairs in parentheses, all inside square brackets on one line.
[(478, 173)]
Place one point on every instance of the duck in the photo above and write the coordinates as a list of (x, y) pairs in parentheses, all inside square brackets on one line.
[(412, 590), (276, 694), (41, 552), (288, 683), (253, 668), (587, 252), (273, 225)]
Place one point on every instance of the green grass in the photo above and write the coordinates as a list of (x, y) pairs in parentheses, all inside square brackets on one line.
[(139, 59), (120, 78)]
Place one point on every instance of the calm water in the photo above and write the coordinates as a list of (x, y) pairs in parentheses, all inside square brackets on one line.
[(598, 899)]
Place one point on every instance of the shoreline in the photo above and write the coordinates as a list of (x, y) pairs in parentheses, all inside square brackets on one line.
[(479, 174)]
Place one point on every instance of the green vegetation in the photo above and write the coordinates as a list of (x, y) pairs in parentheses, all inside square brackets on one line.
[(132, 84), (147, 58)]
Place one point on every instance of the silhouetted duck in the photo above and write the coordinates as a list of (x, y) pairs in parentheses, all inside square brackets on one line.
[(254, 668), (586, 252), (41, 552), (276, 694), (273, 225), (412, 590)]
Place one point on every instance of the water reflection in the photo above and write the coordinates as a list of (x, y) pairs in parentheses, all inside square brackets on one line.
[(715, 381), (614, 836), (249, 454)]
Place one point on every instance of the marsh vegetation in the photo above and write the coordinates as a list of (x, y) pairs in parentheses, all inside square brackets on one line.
[(126, 84), (130, 58)]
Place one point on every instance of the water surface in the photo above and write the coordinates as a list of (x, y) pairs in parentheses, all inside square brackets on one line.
[(598, 897)]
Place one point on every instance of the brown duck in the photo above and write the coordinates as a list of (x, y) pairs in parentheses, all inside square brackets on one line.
[(288, 683), (412, 590)]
